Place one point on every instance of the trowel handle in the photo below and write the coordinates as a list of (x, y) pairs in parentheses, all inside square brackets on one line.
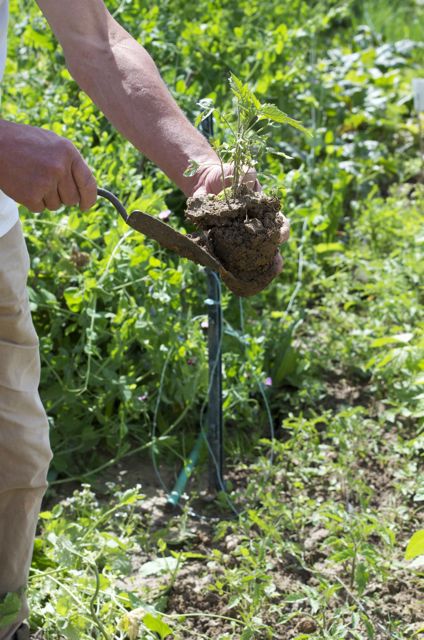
[(104, 193)]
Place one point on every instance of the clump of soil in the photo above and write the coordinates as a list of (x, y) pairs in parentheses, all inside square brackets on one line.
[(242, 232)]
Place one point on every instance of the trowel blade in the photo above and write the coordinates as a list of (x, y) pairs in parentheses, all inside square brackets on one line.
[(171, 239)]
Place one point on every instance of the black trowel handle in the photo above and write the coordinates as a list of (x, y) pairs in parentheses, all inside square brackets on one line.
[(104, 193)]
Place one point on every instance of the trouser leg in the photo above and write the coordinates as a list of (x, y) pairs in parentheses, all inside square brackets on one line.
[(24, 444)]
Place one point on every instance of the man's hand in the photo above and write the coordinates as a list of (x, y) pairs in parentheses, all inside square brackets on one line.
[(42, 170), (212, 180), (252, 287)]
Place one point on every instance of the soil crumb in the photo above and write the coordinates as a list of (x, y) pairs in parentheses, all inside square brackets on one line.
[(243, 232)]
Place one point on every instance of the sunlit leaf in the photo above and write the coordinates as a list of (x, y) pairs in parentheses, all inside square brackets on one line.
[(327, 247), (272, 112), (402, 338), (415, 545), (157, 625), (192, 169), (245, 94), (160, 565)]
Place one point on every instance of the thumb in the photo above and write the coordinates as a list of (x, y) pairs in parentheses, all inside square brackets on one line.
[(201, 191)]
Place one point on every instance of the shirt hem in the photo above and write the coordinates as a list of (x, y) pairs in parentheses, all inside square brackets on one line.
[(9, 215)]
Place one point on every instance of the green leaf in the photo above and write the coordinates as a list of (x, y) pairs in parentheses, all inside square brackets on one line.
[(71, 632), (207, 107), (281, 154), (160, 565), (326, 247), (361, 577), (295, 597), (287, 364), (253, 516), (191, 555), (368, 626), (244, 93), (10, 607), (270, 111), (387, 358), (37, 40), (191, 169), (131, 496), (400, 338), (73, 298), (341, 556), (157, 625), (415, 545)]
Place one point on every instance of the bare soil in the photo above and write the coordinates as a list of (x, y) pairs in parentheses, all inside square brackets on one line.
[(192, 592)]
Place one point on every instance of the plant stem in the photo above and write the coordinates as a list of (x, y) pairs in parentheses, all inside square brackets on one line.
[(93, 602)]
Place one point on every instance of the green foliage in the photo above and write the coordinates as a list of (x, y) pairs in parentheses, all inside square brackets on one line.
[(85, 550), (119, 320), (334, 345), (245, 143), (10, 606), (310, 516), (394, 20)]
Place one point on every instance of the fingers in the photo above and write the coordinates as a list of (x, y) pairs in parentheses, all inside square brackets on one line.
[(217, 178), (278, 265), (285, 228), (214, 178), (201, 191), (226, 180), (68, 191), (85, 183), (284, 234), (75, 186), (252, 287), (35, 207), (249, 178), (52, 200)]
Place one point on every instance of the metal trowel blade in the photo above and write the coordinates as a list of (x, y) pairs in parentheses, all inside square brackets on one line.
[(171, 239)]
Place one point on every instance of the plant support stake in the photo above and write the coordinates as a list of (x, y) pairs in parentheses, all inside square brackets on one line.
[(215, 418), (213, 434)]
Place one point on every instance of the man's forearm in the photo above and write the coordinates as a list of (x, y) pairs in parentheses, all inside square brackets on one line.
[(122, 79)]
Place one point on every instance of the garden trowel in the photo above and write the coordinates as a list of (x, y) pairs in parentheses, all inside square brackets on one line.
[(186, 246)]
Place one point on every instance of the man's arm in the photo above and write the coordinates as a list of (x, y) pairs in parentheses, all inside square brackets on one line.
[(122, 79)]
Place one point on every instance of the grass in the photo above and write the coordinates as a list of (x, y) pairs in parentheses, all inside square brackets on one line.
[(395, 20)]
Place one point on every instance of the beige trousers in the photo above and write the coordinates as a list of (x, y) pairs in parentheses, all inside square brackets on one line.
[(24, 443)]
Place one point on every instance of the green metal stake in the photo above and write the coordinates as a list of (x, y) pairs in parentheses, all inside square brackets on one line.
[(214, 433), (215, 418)]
